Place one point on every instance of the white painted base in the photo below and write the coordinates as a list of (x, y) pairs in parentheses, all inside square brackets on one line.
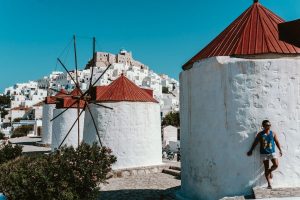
[(132, 130), (63, 124), (47, 124)]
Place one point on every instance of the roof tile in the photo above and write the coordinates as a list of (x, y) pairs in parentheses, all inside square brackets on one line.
[(122, 89), (254, 32)]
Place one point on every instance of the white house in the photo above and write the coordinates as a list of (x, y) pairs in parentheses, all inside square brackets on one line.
[(25, 94), (18, 112), (170, 133)]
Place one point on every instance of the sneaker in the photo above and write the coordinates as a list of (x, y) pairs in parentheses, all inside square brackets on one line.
[(269, 187)]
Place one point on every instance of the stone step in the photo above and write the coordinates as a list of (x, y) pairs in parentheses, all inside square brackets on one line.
[(175, 168), (171, 172), (261, 193), (233, 198)]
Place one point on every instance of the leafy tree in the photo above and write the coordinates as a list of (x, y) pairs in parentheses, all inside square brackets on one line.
[(4, 100), (66, 174), (172, 118), (165, 90), (3, 112)]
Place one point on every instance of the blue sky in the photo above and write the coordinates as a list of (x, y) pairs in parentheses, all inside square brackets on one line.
[(163, 34)]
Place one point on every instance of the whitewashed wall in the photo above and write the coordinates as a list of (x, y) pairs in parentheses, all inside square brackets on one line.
[(62, 125), (169, 134), (47, 124), (17, 114), (132, 130), (38, 112), (223, 102)]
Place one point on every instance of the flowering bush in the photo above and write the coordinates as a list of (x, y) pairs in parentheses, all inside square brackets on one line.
[(9, 152), (66, 174)]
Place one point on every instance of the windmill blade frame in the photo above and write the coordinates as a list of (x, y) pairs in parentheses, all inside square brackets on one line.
[(77, 119), (98, 134), (100, 105), (65, 110), (84, 96)]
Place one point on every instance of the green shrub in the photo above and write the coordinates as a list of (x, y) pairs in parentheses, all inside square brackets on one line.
[(172, 119), (22, 131), (5, 100), (67, 174), (18, 119), (18, 134), (9, 152), (1, 136)]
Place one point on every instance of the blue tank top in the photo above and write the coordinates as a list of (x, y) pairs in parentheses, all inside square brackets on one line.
[(268, 143)]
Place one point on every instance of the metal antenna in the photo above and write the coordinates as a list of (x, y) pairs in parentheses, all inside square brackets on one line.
[(93, 62), (75, 57), (77, 86)]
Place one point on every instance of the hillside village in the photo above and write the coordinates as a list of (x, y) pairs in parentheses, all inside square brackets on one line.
[(27, 98)]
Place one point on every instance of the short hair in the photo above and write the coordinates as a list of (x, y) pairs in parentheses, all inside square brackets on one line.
[(265, 122)]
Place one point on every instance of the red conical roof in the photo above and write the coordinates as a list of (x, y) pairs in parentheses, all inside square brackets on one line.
[(62, 92), (52, 99), (76, 92), (67, 100), (254, 32), (122, 89)]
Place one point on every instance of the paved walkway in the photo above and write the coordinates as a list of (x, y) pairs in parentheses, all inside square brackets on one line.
[(28, 144), (286, 198), (139, 187)]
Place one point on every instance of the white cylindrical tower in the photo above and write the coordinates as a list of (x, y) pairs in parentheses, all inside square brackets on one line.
[(48, 108), (65, 127), (47, 124), (131, 129), (63, 124), (223, 100)]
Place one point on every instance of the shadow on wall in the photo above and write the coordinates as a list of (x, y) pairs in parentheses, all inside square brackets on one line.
[(139, 194)]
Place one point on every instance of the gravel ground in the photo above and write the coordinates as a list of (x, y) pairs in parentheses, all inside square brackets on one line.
[(141, 187)]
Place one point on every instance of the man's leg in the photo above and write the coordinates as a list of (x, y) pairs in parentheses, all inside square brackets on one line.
[(267, 172), (275, 164)]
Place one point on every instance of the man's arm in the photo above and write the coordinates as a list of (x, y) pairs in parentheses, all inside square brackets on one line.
[(277, 143), (256, 141)]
